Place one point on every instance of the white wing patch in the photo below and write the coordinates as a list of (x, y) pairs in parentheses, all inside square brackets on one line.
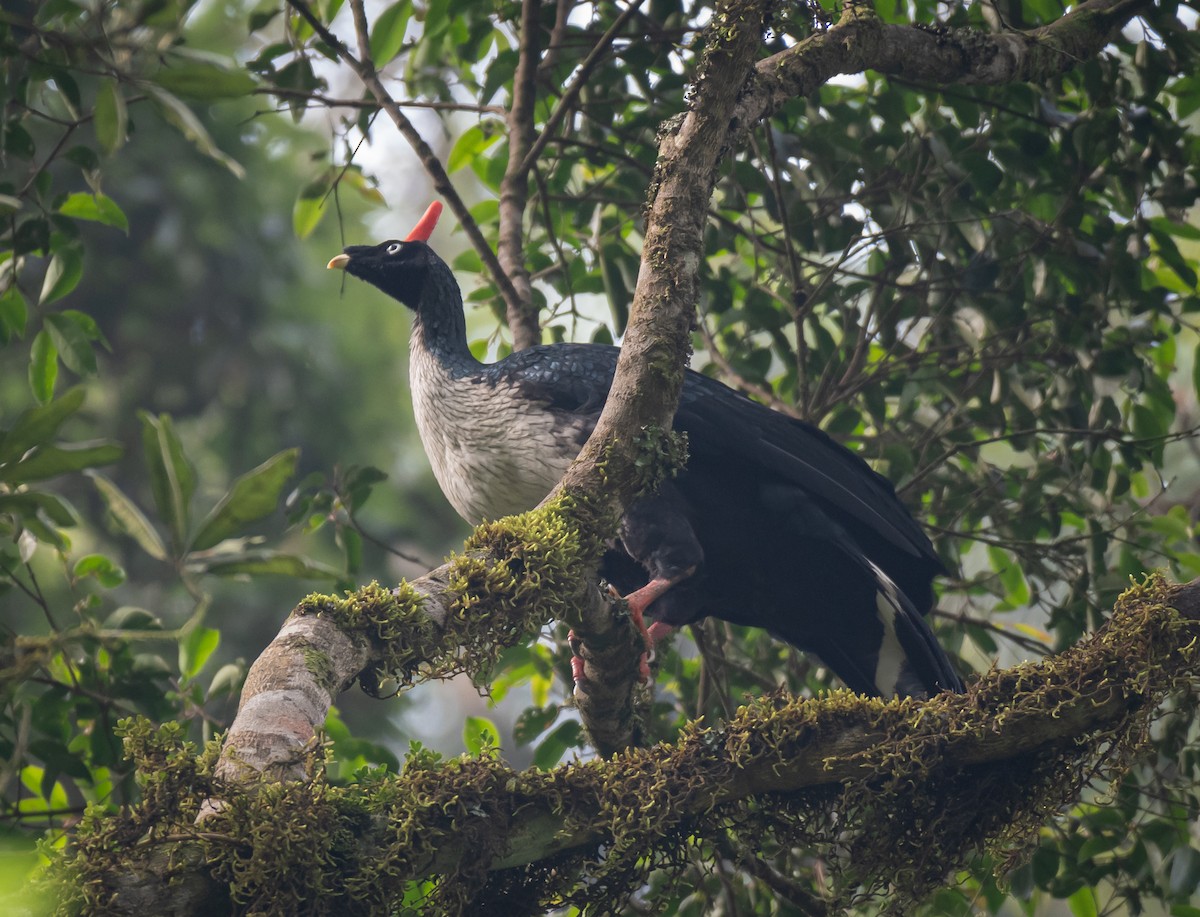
[(892, 657)]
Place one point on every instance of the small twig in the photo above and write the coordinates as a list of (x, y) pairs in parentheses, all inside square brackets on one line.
[(567, 101), (332, 102), (366, 72)]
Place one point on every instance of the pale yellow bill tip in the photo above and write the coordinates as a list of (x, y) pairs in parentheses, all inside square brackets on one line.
[(338, 261)]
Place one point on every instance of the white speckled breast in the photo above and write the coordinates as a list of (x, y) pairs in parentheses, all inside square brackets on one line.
[(494, 451)]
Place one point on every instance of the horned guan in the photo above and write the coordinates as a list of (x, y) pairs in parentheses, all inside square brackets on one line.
[(771, 523)]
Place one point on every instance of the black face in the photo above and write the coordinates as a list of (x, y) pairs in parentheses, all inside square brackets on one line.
[(398, 268)]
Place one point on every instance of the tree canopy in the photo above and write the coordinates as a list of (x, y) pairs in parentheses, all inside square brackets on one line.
[(961, 238)]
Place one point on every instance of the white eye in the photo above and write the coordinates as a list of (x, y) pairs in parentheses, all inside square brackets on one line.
[(394, 248)]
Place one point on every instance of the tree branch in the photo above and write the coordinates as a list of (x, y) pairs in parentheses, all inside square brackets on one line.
[(514, 186), (1083, 713), (365, 71), (861, 41), (649, 376)]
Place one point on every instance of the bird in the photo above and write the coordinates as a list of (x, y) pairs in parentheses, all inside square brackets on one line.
[(771, 523)]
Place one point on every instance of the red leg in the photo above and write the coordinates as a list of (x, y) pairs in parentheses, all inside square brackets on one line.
[(576, 660), (642, 599), (638, 601)]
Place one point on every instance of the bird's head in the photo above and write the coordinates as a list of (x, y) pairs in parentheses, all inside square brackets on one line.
[(398, 267)]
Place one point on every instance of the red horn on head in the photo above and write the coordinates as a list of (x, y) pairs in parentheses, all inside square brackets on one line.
[(424, 228)]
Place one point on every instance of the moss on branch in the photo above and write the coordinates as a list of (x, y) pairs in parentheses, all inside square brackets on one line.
[(512, 576), (894, 795)]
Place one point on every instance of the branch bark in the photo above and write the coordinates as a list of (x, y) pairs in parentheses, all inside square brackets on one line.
[(1091, 705), (514, 186), (862, 41)]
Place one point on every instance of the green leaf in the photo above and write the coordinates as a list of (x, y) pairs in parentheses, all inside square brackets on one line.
[(1083, 903), (352, 177), (37, 425), (557, 743), (227, 681), (43, 367), (1196, 369), (254, 495), (196, 648), (470, 145), (71, 338), (14, 315), (203, 78), (110, 118), (99, 208), (1012, 578), (309, 207), (263, 561), (32, 503), (351, 544), (533, 721), (480, 735), (171, 477), (107, 573), (128, 518), (63, 274), (387, 35), (176, 113), (51, 461), (130, 617)]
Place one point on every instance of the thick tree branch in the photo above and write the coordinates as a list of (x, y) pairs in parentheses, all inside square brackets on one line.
[(861, 41), (1088, 709), (654, 352), (649, 377)]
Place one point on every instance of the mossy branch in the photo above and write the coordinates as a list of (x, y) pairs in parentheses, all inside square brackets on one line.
[(861, 41), (513, 577), (895, 794)]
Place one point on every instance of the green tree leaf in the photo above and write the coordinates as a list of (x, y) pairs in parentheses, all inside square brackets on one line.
[(14, 315), (480, 735), (196, 648), (110, 119), (97, 207), (43, 367), (226, 682), (128, 518), (254, 495), (176, 113), (37, 425), (263, 561), (387, 34), (203, 79), (171, 477), (71, 338), (107, 573), (51, 461), (39, 513), (561, 739), (63, 274), (309, 207)]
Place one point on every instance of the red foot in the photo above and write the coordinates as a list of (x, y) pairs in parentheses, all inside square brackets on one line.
[(576, 661), (638, 601)]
